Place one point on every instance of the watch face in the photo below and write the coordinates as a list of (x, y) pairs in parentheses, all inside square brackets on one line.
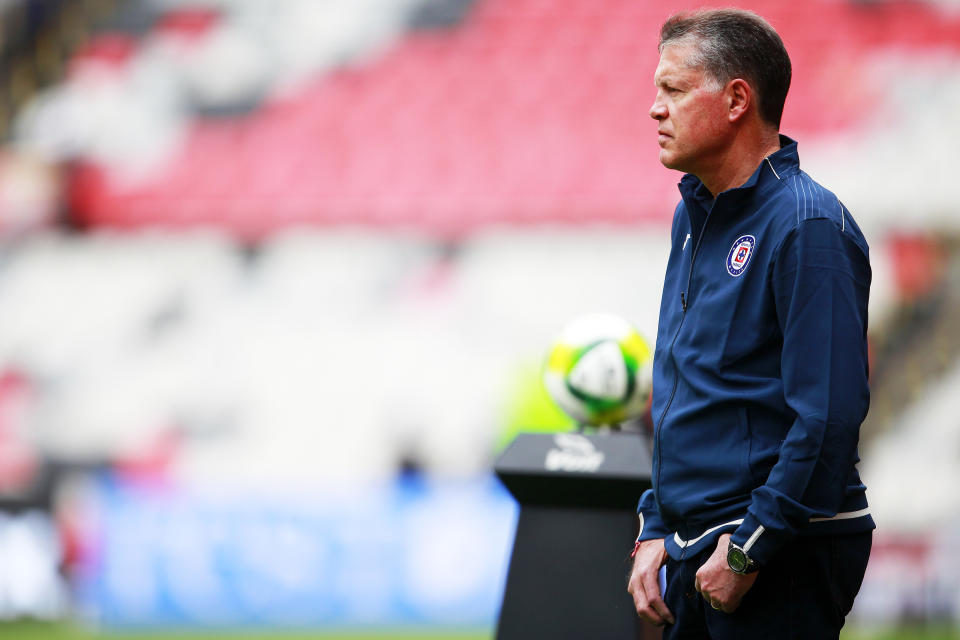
[(737, 560)]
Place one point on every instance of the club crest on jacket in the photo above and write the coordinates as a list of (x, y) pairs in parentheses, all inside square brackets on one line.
[(739, 255)]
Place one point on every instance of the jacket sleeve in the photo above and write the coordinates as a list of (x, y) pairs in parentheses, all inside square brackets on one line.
[(651, 526), (821, 282)]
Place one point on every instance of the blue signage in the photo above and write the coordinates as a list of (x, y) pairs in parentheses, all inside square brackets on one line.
[(412, 552)]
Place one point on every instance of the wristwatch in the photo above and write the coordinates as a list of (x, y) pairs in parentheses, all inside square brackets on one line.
[(739, 561)]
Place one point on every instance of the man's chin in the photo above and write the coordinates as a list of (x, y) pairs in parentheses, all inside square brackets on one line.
[(670, 161)]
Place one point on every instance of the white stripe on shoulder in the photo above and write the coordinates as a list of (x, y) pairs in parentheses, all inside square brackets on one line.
[(796, 195), (803, 192)]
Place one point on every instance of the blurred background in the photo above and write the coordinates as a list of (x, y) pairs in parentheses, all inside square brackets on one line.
[(277, 278)]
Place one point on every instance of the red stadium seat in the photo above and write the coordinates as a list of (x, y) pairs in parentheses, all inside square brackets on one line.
[(524, 114)]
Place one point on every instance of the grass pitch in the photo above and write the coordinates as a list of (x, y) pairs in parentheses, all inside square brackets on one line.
[(66, 631)]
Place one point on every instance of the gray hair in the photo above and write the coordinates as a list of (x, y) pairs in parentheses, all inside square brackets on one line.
[(734, 43)]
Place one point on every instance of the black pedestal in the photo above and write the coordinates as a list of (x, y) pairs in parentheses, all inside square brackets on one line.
[(568, 570)]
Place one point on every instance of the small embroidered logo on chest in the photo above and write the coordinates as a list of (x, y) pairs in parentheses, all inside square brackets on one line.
[(739, 255)]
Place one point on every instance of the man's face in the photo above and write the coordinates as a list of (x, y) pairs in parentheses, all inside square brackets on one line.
[(691, 112)]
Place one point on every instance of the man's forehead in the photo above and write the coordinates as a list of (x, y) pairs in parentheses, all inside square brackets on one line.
[(673, 63)]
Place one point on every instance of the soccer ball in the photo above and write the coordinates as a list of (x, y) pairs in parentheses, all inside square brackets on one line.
[(599, 370)]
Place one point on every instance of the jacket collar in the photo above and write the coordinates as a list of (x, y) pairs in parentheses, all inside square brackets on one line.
[(784, 162)]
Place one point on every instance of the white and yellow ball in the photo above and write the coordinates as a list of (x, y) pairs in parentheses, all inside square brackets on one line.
[(599, 370)]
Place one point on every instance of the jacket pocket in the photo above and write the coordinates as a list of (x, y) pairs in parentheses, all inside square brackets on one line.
[(749, 447), (763, 447)]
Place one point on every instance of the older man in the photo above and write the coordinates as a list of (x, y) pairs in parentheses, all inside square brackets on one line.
[(757, 515)]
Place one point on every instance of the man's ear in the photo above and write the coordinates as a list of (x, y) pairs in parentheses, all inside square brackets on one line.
[(739, 98)]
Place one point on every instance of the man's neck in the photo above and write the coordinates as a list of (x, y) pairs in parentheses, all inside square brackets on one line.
[(740, 160)]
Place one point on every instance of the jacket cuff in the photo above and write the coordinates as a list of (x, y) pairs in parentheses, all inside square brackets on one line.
[(651, 526), (757, 541)]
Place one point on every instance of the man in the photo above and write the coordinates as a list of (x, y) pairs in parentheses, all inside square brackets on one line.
[(757, 511)]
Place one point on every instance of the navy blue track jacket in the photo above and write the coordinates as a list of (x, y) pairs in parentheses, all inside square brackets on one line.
[(760, 369)]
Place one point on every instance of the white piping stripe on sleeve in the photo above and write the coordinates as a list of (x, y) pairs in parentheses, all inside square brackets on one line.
[(683, 543), (753, 539), (640, 516), (846, 515)]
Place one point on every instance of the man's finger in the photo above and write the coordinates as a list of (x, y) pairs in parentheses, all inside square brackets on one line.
[(708, 598), (730, 607), (640, 601), (642, 604), (651, 586)]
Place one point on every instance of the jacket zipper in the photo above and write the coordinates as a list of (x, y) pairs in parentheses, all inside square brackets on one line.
[(684, 300)]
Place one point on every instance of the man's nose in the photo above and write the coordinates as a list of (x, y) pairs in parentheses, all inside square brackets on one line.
[(658, 111)]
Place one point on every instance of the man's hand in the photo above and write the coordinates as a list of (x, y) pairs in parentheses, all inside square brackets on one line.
[(718, 584), (644, 584)]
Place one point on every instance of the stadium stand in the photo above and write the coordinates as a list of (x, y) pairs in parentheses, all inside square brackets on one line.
[(518, 114)]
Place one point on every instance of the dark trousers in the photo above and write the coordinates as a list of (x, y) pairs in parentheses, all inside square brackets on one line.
[(803, 594)]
